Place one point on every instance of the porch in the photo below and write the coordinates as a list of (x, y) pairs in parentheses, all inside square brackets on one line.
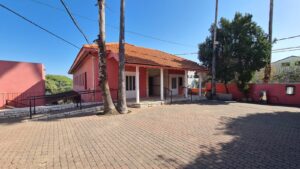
[(145, 84)]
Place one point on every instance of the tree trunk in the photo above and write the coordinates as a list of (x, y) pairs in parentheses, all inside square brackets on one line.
[(226, 87), (122, 105), (109, 107), (268, 65)]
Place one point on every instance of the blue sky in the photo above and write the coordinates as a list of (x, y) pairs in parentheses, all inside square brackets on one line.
[(182, 21)]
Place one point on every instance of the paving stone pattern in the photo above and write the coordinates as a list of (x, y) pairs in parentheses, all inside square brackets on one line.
[(208, 135)]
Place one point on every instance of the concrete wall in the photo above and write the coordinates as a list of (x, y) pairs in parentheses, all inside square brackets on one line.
[(18, 80), (276, 93)]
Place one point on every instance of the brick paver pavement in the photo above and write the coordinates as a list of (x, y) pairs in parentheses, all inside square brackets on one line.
[(210, 135)]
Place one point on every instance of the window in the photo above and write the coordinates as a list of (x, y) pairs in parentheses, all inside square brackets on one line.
[(130, 83), (174, 81), (85, 80), (81, 80), (290, 90), (285, 64), (297, 63), (180, 83)]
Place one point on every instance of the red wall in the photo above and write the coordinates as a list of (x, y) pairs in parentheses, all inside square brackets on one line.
[(275, 93), (19, 80)]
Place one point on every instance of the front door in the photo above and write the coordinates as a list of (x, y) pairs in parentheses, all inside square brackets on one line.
[(174, 85), (130, 85), (151, 86)]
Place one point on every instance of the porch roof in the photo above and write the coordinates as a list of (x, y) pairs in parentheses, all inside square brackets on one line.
[(144, 56)]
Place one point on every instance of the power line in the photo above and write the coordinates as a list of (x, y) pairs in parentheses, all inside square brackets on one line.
[(74, 21), (290, 50), (192, 53), (42, 28), (295, 48), (286, 48), (117, 28), (291, 37)]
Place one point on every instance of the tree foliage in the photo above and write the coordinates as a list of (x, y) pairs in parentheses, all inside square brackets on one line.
[(242, 49), (58, 84), (290, 75)]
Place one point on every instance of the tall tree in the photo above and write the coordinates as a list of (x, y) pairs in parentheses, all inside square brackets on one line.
[(103, 82), (122, 106), (225, 64), (268, 66), (243, 49)]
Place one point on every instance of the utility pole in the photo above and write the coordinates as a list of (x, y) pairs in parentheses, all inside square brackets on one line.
[(268, 66), (213, 69), (122, 105)]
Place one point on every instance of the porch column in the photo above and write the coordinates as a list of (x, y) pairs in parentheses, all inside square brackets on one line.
[(137, 83), (185, 83), (161, 84), (200, 83)]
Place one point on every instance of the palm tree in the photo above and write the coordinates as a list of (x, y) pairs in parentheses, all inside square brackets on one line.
[(107, 100), (122, 106)]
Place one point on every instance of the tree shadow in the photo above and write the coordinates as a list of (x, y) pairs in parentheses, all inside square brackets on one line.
[(262, 140), (202, 102)]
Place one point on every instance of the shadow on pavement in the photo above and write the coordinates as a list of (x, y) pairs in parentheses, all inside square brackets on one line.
[(262, 140)]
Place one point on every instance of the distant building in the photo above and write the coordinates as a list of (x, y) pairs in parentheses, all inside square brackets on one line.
[(283, 71), (286, 64), (18, 80), (193, 79)]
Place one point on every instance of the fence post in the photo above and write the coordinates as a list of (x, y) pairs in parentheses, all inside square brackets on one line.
[(171, 97), (34, 111), (80, 102), (30, 111), (94, 94)]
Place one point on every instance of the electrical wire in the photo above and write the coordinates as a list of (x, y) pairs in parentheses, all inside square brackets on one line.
[(36, 25), (291, 37), (74, 21), (116, 27)]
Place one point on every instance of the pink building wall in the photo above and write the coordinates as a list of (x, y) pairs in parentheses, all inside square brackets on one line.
[(92, 82), (19, 80), (276, 93)]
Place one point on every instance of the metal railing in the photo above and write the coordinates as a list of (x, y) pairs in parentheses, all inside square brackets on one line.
[(168, 92)]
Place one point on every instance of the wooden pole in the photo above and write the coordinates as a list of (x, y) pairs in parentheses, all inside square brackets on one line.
[(213, 70), (268, 66)]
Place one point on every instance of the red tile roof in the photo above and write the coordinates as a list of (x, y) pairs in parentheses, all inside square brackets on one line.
[(151, 57)]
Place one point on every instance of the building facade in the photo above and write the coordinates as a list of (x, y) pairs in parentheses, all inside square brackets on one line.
[(149, 72), (18, 80)]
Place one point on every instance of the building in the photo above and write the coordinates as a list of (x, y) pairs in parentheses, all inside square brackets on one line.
[(149, 72), (286, 64), (18, 80)]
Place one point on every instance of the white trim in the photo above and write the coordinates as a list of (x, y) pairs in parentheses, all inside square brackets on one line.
[(185, 83), (137, 83), (200, 84), (161, 83)]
